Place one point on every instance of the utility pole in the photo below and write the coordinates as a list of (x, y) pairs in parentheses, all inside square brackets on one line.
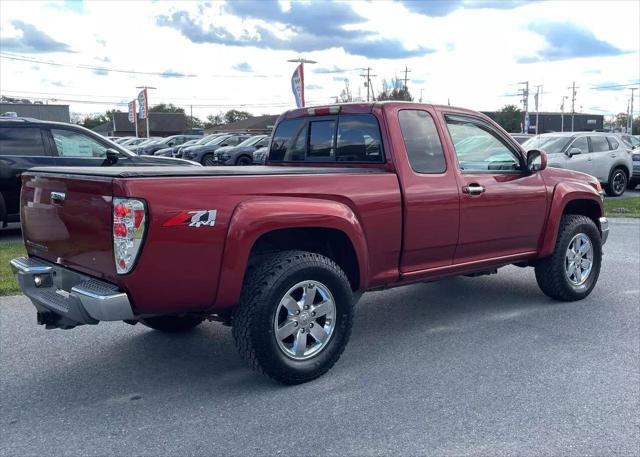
[(564, 97), (406, 71), (146, 100), (525, 104), (421, 95), (633, 89), (367, 83), (573, 103), (538, 89)]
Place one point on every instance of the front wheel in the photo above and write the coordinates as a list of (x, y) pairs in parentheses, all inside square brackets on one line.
[(572, 271), (295, 316), (244, 161), (208, 160), (617, 183)]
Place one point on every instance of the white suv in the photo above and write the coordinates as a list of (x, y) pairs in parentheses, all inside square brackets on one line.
[(599, 154)]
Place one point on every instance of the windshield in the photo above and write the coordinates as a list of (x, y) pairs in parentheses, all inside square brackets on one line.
[(550, 144), (251, 141), (218, 140)]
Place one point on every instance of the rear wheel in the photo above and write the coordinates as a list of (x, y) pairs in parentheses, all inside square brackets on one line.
[(572, 271), (617, 183), (244, 161), (172, 324), (295, 316), (208, 160)]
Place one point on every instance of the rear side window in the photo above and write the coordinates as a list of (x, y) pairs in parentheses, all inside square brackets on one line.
[(345, 138), (21, 141), (358, 139), (421, 141), (613, 144), (289, 141), (599, 144)]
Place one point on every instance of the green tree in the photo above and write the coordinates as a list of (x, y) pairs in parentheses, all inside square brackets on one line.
[(93, 120), (234, 115), (194, 122), (509, 118), (621, 119), (214, 120), (394, 90), (165, 108)]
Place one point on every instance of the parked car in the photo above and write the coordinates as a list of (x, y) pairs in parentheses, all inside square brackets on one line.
[(241, 154), (169, 152), (521, 137), (26, 143), (632, 142), (282, 253), (598, 154), (131, 142), (204, 153), (122, 139), (170, 141), (260, 155), (135, 149)]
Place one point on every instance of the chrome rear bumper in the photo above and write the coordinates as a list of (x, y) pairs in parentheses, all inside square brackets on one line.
[(69, 298)]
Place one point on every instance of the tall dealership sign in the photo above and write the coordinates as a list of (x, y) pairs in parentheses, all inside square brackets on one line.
[(143, 107), (297, 85), (132, 114)]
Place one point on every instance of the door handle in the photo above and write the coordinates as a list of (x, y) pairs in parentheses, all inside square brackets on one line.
[(473, 189), (57, 197)]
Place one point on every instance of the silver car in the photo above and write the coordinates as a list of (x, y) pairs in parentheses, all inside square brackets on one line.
[(599, 154)]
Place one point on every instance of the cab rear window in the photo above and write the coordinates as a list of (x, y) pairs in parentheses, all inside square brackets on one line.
[(345, 138)]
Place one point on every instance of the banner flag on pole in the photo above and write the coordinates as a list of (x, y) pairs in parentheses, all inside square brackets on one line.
[(142, 104), (132, 111), (297, 86)]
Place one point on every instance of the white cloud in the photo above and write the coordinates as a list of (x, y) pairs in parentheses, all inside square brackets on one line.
[(474, 63)]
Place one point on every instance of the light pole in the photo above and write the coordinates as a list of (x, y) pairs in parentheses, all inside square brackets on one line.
[(564, 97), (146, 108), (302, 61)]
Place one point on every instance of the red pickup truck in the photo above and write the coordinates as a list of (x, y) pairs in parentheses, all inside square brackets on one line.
[(355, 197)]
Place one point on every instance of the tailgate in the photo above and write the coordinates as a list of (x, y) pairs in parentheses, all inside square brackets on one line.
[(67, 220)]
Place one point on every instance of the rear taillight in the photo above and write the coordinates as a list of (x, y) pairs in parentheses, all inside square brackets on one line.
[(129, 221)]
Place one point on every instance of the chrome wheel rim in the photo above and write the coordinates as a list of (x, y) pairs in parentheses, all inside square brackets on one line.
[(578, 260), (305, 320), (619, 182)]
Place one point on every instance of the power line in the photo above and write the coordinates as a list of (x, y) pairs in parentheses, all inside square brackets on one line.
[(167, 73)]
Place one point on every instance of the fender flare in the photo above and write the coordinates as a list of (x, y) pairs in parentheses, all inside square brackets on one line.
[(563, 194), (253, 219)]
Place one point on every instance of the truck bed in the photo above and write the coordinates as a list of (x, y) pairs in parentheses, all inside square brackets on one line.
[(165, 172)]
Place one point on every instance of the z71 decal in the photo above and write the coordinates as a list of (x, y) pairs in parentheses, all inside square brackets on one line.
[(196, 218)]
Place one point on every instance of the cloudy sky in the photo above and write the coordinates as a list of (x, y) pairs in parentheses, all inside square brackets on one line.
[(220, 55)]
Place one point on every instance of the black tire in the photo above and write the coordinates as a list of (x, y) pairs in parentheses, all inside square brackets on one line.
[(617, 184), (264, 286), (208, 160), (550, 271), (244, 161), (172, 324)]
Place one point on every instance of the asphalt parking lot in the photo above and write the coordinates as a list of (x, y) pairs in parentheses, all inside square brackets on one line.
[(467, 366)]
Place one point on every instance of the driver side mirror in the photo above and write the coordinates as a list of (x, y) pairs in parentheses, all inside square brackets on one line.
[(573, 151), (112, 157), (536, 160)]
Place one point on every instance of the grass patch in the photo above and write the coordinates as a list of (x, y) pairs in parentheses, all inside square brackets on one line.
[(8, 251), (622, 207)]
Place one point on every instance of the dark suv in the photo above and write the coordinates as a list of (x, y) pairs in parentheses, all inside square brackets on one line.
[(26, 143)]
